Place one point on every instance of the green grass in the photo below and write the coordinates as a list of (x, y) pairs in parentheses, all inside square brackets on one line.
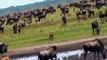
[(37, 33)]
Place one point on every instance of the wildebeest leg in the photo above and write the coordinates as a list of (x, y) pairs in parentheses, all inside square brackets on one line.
[(85, 55), (98, 56), (94, 55), (97, 31), (104, 54)]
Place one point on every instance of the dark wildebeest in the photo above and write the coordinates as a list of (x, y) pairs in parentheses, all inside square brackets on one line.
[(100, 3), (3, 48), (50, 53), (64, 20), (15, 18), (2, 28), (64, 10), (42, 14), (103, 16), (16, 28), (9, 19), (95, 46), (35, 12), (95, 27), (2, 22), (90, 12), (71, 5), (27, 16), (51, 10)]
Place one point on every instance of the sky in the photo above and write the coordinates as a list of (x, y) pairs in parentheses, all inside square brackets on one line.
[(8, 3)]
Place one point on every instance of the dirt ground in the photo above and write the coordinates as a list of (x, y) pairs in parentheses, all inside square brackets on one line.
[(63, 46)]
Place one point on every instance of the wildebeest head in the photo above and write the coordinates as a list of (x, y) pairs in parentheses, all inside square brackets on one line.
[(54, 47)]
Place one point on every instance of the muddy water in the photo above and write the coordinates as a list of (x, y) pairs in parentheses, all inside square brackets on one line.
[(60, 55)]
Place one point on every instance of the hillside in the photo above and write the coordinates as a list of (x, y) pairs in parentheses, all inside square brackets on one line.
[(33, 5)]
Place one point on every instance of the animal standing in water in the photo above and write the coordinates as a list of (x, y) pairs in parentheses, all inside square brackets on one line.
[(95, 46), (48, 54)]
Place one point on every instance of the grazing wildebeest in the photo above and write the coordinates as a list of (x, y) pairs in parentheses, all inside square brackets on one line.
[(42, 15), (27, 16), (64, 10), (64, 20), (3, 48), (51, 10), (9, 19), (90, 12), (15, 18), (48, 54), (2, 28), (95, 27), (2, 22), (35, 12), (71, 4), (99, 4), (95, 46), (80, 16), (103, 16), (16, 28), (84, 12)]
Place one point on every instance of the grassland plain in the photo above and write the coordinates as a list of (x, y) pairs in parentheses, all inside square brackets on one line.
[(37, 33)]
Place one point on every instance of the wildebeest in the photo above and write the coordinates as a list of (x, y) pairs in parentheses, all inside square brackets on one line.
[(9, 19), (48, 54), (64, 20), (103, 16), (2, 23), (42, 15), (16, 28), (95, 27), (95, 46), (51, 10), (15, 18), (90, 12), (27, 16), (3, 48), (64, 10), (1, 29), (80, 16)]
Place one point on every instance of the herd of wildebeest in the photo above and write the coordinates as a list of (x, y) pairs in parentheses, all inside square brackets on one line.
[(86, 10), (38, 14)]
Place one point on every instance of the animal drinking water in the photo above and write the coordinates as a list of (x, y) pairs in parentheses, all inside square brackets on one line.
[(95, 46), (48, 54)]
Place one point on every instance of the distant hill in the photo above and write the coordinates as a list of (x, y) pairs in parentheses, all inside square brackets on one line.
[(34, 5)]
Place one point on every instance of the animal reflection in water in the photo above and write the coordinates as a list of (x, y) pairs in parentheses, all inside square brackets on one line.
[(95, 46), (50, 53)]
